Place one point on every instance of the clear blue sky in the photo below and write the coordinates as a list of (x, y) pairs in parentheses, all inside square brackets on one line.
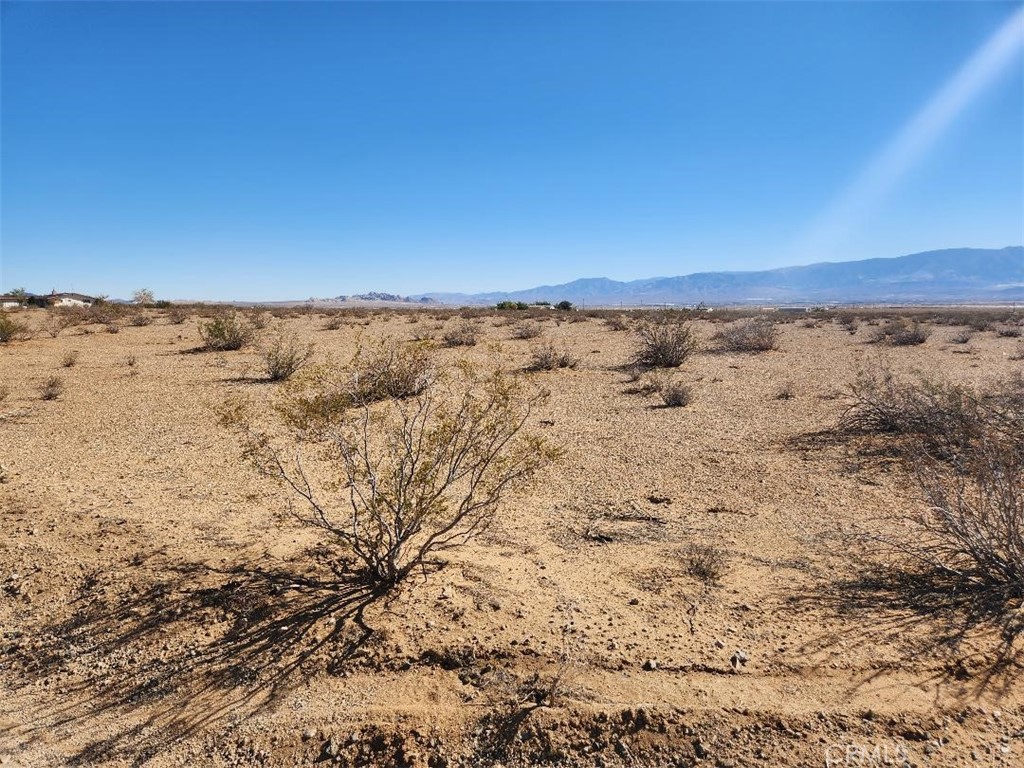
[(285, 150)]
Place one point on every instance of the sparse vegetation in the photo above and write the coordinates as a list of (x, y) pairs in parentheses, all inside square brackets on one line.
[(58, 320), (226, 332), (548, 358), (901, 333), (12, 329), (663, 344), (285, 355), (756, 334), (527, 330), (675, 394), (69, 358), (464, 334), (139, 319), (706, 563), (421, 476), (51, 388), (177, 315)]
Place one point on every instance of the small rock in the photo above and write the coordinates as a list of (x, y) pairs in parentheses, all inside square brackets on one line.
[(651, 665), (309, 733)]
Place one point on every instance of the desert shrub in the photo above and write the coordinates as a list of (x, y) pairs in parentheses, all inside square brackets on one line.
[(664, 344), (259, 318), (58, 320), (285, 355), (334, 322), (177, 315), (755, 334), (675, 394), (527, 330), (130, 360), (616, 323), (785, 391), (464, 334), (5, 392), (420, 476), (225, 332), (103, 313), (69, 358), (901, 333), (1009, 331), (706, 563), (564, 306), (113, 328), (1018, 354), (139, 320), (12, 329), (51, 388), (973, 527), (389, 371), (548, 358), (961, 337)]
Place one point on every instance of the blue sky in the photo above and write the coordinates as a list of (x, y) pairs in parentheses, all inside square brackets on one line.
[(284, 150)]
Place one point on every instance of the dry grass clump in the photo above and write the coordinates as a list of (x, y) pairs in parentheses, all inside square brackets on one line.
[(225, 332), (420, 475), (961, 337), (285, 355), (785, 391), (464, 334), (663, 344), (755, 334), (528, 329), (12, 329), (69, 358), (902, 333), (706, 563), (616, 323), (140, 320), (113, 328), (334, 322), (675, 394), (5, 392), (549, 358), (1009, 331), (51, 388)]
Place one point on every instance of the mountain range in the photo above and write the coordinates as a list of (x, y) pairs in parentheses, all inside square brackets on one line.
[(950, 275)]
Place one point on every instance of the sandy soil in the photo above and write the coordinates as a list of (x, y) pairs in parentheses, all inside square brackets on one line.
[(155, 606)]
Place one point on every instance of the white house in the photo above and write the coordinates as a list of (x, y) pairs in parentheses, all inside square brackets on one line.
[(69, 300), (7, 301)]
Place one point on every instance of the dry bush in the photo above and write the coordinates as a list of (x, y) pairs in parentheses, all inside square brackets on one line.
[(464, 334), (966, 451), (103, 313), (962, 337), (388, 371), (664, 344), (1009, 331), (259, 318), (755, 334), (902, 333), (69, 358), (225, 332), (285, 355), (140, 320), (616, 323), (528, 329), (706, 563), (548, 358), (973, 528), (51, 388), (177, 315), (130, 360), (786, 391), (12, 329), (419, 476), (675, 394), (113, 328), (5, 392), (58, 320), (334, 322)]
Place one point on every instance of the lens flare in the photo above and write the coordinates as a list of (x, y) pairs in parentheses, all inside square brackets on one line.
[(914, 140)]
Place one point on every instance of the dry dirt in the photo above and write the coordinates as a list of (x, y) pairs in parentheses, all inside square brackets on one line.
[(156, 608)]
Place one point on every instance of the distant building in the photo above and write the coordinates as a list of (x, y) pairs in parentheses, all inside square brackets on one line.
[(69, 300), (7, 301)]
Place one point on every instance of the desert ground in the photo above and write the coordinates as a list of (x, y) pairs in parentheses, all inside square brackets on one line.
[(156, 606)]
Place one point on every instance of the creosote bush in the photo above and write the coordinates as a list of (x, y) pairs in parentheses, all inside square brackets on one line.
[(58, 320), (464, 334), (12, 329), (549, 358), (663, 344), (706, 563), (319, 397), (902, 333), (225, 332), (527, 329), (177, 315), (285, 355), (756, 334), (417, 476), (140, 320), (965, 449)]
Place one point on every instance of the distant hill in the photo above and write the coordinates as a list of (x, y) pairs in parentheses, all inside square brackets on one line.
[(951, 275)]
